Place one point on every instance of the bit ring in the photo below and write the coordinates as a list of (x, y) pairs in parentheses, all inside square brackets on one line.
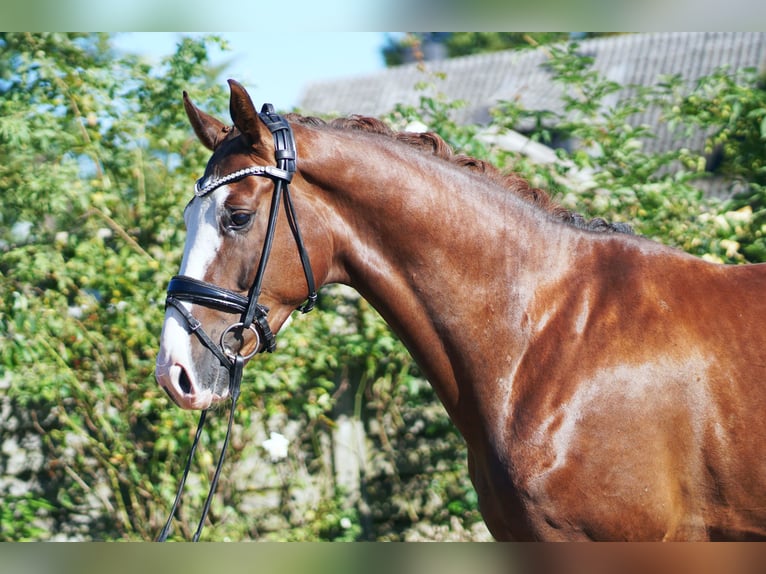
[(231, 354)]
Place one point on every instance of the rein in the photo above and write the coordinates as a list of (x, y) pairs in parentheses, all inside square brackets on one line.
[(253, 315)]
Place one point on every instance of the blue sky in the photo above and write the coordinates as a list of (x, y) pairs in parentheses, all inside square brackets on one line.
[(276, 66)]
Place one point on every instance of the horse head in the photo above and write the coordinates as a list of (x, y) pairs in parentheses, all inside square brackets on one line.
[(226, 304)]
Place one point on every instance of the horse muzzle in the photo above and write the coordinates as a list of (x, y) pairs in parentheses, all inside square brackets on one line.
[(182, 384)]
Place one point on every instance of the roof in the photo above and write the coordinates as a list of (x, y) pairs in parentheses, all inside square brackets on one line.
[(484, 79)]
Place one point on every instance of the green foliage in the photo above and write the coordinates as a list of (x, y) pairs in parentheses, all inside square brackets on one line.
[(434, 113), (408, 47), (730, 105), (98, 162), (92, 173), (468, 43), (658, 193)]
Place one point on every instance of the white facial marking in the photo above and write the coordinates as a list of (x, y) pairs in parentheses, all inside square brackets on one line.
[(203, 239), (202, 244)]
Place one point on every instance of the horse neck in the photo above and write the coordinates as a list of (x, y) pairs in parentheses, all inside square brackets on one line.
[(440, 252)]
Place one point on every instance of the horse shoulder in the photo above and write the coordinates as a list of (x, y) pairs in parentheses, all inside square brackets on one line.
[(639, 347)]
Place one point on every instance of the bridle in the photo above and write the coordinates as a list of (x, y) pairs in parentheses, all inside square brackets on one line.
[(253, 315)]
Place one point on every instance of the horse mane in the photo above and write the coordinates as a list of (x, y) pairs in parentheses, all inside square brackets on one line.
[(433, 144)]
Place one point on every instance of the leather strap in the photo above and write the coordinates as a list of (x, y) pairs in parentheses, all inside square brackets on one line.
[(206, 294)]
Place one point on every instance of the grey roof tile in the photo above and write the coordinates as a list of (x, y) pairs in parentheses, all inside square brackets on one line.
[(483, 80)]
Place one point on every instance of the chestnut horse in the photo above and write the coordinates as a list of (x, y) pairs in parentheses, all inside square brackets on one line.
[(608, 387)]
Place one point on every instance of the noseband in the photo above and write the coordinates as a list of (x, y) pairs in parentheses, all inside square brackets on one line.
[(253, 315)]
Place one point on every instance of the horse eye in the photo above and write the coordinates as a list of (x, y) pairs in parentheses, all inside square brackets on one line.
[(240, 219)]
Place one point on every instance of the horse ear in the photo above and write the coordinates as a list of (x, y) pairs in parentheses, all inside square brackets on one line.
[(243, 113), (209, 130)]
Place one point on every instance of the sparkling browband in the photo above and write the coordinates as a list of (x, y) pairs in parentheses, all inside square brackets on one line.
[(203, 187)]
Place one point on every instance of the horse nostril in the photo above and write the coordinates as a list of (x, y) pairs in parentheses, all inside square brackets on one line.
[(184, 382)]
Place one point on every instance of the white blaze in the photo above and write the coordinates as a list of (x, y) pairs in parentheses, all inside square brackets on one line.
[(202, 239), (202, 244)]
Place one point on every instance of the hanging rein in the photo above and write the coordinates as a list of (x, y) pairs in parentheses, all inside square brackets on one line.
[(252, 314)]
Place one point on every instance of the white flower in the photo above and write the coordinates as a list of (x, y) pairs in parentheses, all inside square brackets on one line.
[(21, 231), (711, 258), (276, 446), (345, 523), (731, 247), (721, 222), (416, 127), (743, 215)]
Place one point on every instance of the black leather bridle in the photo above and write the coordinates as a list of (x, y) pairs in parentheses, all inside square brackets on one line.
[(253, 315)]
